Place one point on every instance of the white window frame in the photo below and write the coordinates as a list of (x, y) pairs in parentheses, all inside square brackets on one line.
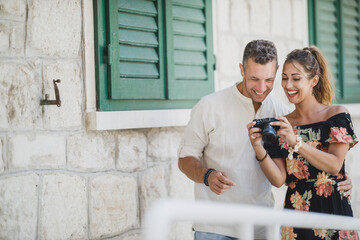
[(112, 120)]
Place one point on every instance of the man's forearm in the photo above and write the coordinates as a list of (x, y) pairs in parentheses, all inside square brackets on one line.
[(192, 168)]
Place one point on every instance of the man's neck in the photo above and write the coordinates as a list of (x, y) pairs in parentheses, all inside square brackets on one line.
[(241, 88)]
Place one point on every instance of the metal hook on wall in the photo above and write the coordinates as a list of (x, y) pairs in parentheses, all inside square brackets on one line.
[(56, 102)]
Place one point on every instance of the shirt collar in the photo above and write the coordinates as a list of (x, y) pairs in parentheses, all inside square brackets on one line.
[(240, 96)]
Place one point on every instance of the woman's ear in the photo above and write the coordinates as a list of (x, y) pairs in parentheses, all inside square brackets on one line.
[(315, 80)]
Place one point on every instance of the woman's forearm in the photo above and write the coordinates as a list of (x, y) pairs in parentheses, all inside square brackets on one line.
[(330, 162), (274, 169)]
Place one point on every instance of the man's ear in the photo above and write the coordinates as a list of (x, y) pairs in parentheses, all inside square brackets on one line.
[(242, 70)]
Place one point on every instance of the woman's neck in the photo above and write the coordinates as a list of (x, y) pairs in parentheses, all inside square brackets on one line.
[(309, 109)]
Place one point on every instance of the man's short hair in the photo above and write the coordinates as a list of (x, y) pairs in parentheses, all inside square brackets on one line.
[(261, 51)]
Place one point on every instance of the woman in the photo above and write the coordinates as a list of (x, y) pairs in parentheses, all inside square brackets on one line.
[(313, 142)]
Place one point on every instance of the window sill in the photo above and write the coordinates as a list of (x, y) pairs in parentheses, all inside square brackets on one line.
[(116, 120)]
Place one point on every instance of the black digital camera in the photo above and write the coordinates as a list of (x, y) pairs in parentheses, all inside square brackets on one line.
[(268, 132)]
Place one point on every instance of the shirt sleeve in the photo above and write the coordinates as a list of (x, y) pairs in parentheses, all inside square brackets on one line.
[(195, 135), (341, 130)]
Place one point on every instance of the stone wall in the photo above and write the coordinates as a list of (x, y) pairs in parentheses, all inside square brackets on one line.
[(59, 180)]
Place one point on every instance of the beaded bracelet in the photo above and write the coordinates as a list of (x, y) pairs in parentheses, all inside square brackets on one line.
[(206, 176), (295, 148)]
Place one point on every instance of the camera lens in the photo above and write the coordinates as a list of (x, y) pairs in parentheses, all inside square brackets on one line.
[(268, 134)]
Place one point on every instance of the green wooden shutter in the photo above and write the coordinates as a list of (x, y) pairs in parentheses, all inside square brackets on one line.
[(135, 50), (152, 54), (351, 49), (189, 48), (334, 28), (327, 36)]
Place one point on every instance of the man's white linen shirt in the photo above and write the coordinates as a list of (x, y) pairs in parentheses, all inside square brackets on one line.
[(217, 136)]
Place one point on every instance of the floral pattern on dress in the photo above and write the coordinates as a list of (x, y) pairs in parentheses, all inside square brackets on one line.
[(291, 185), (301, 202), (321, 233), (340, 135), (324, 185), (311, 189), (287, 233), (348, 235), (298, 168)]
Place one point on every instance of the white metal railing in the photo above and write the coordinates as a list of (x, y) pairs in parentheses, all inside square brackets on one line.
[(164, 212)]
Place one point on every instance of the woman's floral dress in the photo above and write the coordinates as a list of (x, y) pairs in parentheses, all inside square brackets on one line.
[(310, 189)]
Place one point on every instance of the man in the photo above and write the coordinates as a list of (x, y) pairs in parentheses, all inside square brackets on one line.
[(215, 151)]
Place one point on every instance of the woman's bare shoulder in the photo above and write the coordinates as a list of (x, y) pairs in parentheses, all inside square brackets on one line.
[(336, 109)]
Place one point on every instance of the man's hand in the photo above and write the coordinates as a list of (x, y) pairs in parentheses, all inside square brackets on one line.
[(345, 187), (219, 182)]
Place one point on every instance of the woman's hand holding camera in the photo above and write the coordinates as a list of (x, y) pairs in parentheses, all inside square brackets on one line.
[(286, 131)]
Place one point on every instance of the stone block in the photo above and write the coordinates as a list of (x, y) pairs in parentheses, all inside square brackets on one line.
[(113, 206), (54, 28), (13, 10), (92, 151), (163, 144), (153, 187), (281, 18), (239, 17), (63, 207), (33, 151), (20, 91), (69, 115), (132, 148), (179, 185), (18, 206), (12, 38), (260, 17)]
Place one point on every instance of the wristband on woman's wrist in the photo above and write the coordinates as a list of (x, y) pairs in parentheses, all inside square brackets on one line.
[(206, 175), (260, 160)]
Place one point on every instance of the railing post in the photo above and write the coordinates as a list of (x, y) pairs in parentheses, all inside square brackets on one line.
[(273, 232), (247, 231)]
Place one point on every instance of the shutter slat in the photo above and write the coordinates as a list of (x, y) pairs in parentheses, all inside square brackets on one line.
[(138, 70), (190, 73), (190, 3), (137, 22), (326, 6), (188, 14), (138, 38), (189, 29), (350, 3), (189, 43), (138, 54), (189, 58), (146, 8)]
